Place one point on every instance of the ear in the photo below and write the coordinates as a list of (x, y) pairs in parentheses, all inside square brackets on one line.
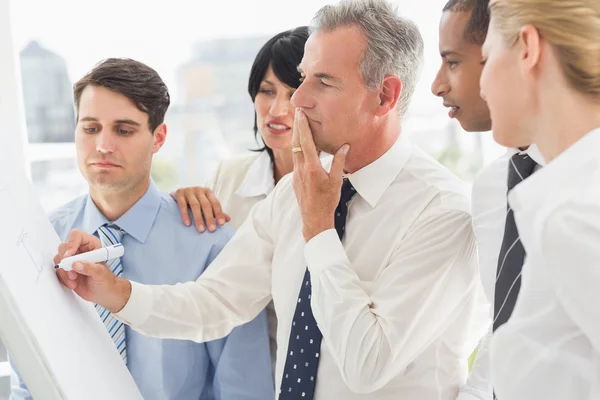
[(530, 49), (160, 135), (388, 95)]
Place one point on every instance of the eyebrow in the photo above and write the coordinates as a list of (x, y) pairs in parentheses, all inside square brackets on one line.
[(323, 75), (447, 53), (127, 122), (119, 121)]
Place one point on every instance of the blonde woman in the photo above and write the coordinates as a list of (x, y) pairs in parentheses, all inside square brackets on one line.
[(542, 84)]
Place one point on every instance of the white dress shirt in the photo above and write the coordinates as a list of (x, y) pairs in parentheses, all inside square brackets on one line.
[(239, 183), (394, 300), (550, 347), (489, 205)]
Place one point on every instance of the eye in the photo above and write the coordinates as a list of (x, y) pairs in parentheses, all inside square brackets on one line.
[(266, 91), (452, 64), (483, 61), (124, 132), (324, 84), (90, 130)]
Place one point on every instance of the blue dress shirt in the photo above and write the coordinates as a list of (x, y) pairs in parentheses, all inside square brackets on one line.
[(160, 249)]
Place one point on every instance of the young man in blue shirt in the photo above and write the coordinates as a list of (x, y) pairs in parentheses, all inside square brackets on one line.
[(121, 106)]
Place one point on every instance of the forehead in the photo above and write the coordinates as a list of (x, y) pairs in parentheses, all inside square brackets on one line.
[(103, 104), (336, 52), (452, 30)]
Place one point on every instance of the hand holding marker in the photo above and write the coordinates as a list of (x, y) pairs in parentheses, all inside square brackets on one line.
[(96, 256)]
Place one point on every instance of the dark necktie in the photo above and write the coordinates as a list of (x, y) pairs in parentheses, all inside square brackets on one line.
[(512, 253), (300, 371)]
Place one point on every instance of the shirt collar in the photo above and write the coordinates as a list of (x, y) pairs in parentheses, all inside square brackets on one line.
[(259, 180), (535, 155), (373, 180), (556, 174), (532, 151), (137, 221)]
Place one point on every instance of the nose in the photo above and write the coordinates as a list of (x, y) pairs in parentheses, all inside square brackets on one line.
[(105, 142), (281, 105), (302, 97), (440, 85)]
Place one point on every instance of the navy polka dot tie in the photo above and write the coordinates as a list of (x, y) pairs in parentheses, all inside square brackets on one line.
[(302, 361)]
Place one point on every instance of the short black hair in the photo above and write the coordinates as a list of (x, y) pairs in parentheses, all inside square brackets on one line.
[(134, 80), (283, 52), (477, 27)]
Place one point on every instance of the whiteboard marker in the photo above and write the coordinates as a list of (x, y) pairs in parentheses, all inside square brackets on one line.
[(96, 256)]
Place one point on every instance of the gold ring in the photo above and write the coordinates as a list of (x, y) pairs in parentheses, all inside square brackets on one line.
[(296, 150)]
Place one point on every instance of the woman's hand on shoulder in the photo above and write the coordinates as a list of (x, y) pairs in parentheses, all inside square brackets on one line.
[(204, 206)]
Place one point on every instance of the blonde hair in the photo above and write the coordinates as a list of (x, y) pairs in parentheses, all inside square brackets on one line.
[(572, 27)]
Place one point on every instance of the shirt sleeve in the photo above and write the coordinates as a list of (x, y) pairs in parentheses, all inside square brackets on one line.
[(571, 250), (242, 363), (233, 290), (429, 280), (241, 360), (479, 384), (18, 389)]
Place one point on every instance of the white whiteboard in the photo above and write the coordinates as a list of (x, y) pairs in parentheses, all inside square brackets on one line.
[(56, 340)]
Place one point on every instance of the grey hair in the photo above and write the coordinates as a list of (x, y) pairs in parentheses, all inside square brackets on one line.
[(394, 44)]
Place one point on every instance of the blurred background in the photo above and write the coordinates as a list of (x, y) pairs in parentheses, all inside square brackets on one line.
[(203, 51)]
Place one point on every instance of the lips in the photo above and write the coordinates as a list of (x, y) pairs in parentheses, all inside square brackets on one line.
[(104, 164), (453, 109), (278, 127)]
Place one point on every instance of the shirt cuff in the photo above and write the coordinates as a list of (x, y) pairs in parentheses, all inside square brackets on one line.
[(138, 307), (324, 250)]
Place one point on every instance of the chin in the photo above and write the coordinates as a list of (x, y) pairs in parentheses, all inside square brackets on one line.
[(503, 138), (278, 142), (474, 125)]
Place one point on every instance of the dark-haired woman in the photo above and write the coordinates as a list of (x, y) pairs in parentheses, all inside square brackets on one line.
[(241, 182)]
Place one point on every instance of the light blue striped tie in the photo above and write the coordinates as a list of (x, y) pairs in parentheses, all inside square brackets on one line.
[(109, 235)]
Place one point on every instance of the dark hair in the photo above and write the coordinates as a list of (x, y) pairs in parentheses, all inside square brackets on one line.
[(134, 80), (283, 52), (477, 27)]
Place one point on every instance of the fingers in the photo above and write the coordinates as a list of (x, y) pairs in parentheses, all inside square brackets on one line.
[(220, 216), (96, 272), (207, 211), (298, 156), (306, 138), (337, 165), (61, 251), (65, 280), (78, 242), (204, 205), (179, 197)]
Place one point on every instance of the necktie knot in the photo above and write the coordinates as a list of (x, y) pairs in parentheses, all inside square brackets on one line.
[(520, 167), (109, 234)]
